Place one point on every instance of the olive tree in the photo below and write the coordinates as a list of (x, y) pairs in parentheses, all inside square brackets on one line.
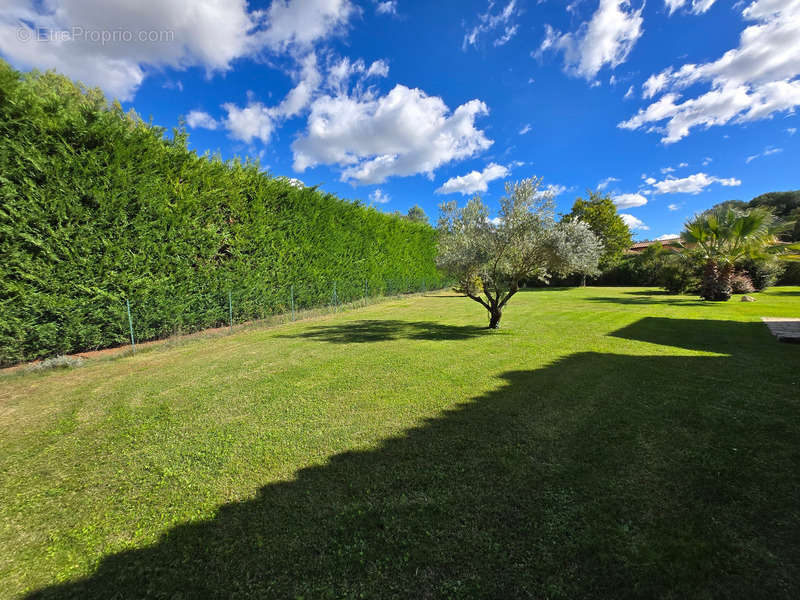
[(490, 259), (575, 249)]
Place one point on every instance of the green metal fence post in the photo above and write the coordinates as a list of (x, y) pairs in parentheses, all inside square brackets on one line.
[(230, 312), (130, 324), (291, 299)]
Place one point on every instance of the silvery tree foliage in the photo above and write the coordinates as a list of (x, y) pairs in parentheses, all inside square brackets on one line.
[(575, 249), (491, 258)]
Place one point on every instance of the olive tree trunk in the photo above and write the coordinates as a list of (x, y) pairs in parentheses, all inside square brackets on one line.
[(494, 304)]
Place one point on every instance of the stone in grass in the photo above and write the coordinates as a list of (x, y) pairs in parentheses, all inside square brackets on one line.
[(748, 299)]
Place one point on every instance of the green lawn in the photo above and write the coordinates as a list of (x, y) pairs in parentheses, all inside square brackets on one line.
[(606, 442)]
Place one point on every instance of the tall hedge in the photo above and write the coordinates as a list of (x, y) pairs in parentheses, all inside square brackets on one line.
[(97, 206)]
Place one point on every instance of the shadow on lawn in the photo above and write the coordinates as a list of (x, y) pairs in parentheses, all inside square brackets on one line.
[(652, 299), (784, 293), (600, 475), (648, 293), (381, 330)]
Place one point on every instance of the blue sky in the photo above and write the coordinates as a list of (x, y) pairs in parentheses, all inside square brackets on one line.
[(670, 106)]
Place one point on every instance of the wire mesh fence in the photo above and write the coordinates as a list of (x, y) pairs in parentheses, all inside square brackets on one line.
[(148, 318)]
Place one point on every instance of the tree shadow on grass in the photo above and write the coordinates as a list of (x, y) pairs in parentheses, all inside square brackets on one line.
[(784, 293), (649, 299), (648, 293), (382, 330), (598, 476), (731, 337)]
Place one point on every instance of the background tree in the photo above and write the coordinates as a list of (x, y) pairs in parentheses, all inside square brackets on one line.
[(600, 214), (575, 249), (416, 214), (489, 260), (722, 237)]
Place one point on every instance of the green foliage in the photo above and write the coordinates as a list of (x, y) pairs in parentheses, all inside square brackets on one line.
[(678, 274), (791, 275), (724, 236), (785, 206), (416, 214), (98, 206), (763, 271), (489, 261), (782, 204), (601, 215)]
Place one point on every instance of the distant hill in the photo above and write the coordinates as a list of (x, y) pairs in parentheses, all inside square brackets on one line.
[(785, 206)]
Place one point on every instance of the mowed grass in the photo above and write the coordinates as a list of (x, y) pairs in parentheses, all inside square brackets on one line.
[(606, 442)]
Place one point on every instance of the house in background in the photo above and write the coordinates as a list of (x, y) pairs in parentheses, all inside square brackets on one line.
[(673, 243)]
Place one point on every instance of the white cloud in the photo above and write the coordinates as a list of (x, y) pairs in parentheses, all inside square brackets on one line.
[(606, 39), (750, 82), (767, 151), (673, 207), (374, 137), (201, 119), (253, 121), (257, 121), (379, 196), (667, 236), (633, 222), (791, 130), (379, 68), (386, 8), (629, 93), (629, 200), (707, 161), (698, 7), (474, 181), (665, 170), (606, 182), (693, 184), (301, 23), (553, 189), (525, 129), (489, 22), (509, 32), (308, 80), (293, 181), (205, 33)]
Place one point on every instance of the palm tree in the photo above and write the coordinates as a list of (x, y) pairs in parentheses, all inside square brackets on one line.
[(723, 236)]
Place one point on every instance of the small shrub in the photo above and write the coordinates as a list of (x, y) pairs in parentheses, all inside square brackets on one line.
[(763, 272), (791, 274), (678, 274), (57, 362), (741, 284)]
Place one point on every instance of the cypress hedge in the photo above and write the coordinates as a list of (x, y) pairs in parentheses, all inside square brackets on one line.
[(98, 206)]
